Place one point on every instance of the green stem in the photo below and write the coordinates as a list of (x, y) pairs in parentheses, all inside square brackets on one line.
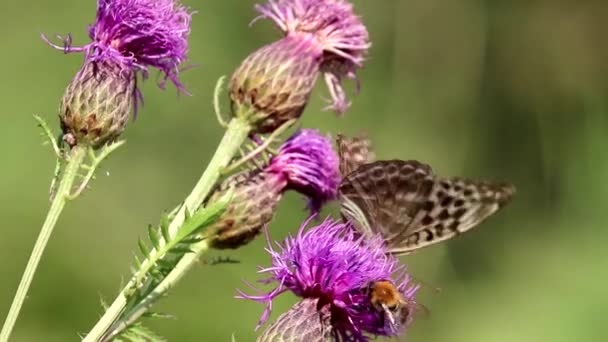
[(172, 278), (63, 190), (236, 133)]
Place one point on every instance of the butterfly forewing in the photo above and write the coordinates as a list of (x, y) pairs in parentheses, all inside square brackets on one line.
[(412, 208), (354, 152), (387, 193)]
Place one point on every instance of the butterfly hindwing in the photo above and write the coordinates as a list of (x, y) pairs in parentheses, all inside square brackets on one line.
[(412, 208), (454, 206)]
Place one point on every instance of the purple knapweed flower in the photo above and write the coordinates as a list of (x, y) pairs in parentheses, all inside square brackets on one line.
[(332, 269), (306, 163), (128, 37), (310, 165), (274, 83)]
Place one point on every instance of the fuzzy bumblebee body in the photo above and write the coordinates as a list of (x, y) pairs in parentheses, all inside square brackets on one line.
[(386, 298)]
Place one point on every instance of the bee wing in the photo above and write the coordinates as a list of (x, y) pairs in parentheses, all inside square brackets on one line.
[(354, 152), (411, 208)]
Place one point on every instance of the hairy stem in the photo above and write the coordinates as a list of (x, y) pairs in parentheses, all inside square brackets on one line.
[(236, 134), (68, 178), (172, 278)]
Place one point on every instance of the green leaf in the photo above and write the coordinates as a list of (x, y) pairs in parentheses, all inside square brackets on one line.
[(164, 227), (181, 249), (143, 248), (205, 216), (154, 314), (156, 273), (104, 304), (154, 236), (137, 261), (165, 264), (138, 333), (191, 240)]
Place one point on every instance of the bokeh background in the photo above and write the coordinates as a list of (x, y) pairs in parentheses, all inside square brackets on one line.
[(505, 90)]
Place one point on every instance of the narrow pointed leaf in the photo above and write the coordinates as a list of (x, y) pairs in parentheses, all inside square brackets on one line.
[(204, 217), (143, 248), (164, 227), (191, 240), (181, 249), (154, 237), (154, 314), (137, 262), (166, 264)]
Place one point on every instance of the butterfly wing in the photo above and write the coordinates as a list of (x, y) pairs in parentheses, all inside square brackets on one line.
[(412, 208), (354, 152), (384, 196)]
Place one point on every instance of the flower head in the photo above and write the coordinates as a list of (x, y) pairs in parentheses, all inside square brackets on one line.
[(137, 34), (128, 37), (332, 264), (310, 164), (306, 163), (339, 33), (273, 84)]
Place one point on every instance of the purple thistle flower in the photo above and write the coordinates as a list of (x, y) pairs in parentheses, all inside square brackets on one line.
[(136, 34), (128, 37), (273, 84), (339, 33), (306, 163), (310, 165), (332, 264)]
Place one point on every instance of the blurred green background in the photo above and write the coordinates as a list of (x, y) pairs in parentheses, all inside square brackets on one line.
[(506, 90)]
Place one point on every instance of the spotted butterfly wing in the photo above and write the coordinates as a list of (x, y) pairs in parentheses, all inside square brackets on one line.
[(412, 208), (354, 152)]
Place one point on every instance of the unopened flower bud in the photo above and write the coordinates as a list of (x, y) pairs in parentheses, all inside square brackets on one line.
[(254, 201), (96, 105)]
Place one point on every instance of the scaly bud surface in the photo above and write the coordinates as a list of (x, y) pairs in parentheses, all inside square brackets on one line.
[(254, 201), (96, 105), (274, 83)]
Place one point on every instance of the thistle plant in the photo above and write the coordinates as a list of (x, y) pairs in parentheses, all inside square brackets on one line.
[(127, 38), (268, 93), (273, 84), (332, 269), (306, 163), (351, 287)]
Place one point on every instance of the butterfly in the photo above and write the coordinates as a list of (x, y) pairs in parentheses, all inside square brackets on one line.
[(406, 203)]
